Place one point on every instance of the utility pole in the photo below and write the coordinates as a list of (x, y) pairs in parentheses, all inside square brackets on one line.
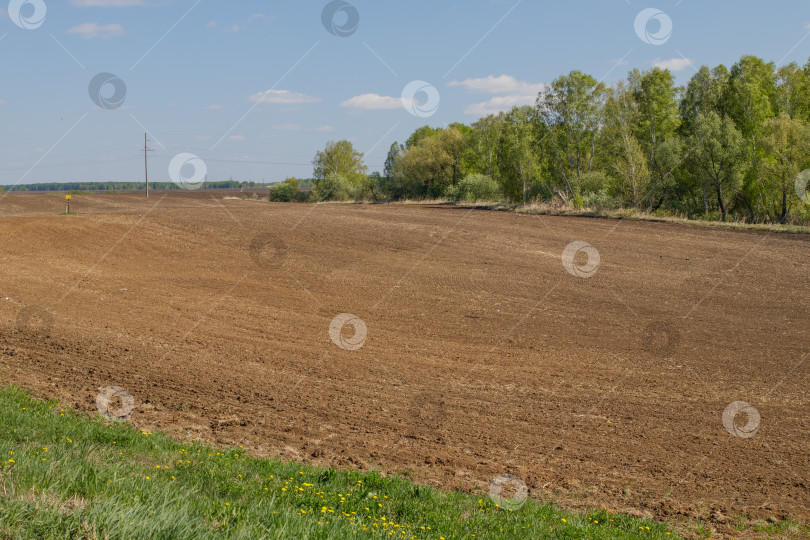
[(146, 151)]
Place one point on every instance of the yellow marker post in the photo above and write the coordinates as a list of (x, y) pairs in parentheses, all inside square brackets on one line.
[(67, 198)]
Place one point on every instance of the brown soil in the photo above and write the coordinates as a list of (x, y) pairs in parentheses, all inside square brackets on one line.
[(483, 355)]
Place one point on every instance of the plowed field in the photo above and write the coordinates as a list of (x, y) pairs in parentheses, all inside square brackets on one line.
[(482, 354)]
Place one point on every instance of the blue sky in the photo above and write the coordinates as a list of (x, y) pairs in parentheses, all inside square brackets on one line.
[(255, 88)]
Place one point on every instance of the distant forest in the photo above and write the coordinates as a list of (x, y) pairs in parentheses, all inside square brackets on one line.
[(124, 186)]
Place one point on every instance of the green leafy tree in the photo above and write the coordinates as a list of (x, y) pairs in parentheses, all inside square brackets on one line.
[(484, 141), (656, 95), (429, 166), (668, 184), (467, 158), (786, 143), (626, 161), (750, 95), (572, 108), (718, 157), (390, 160), (793, 92), (703, 94), (379, 187), (750, 100), (424, 132), (340, 158), (518, 165)]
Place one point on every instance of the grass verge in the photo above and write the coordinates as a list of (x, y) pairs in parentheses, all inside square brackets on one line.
[(63, 475), (630, 214)]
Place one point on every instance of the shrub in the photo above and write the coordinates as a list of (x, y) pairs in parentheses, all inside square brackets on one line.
[(539, 192), (474, 187), (332, 188), (452, 193), (286, 191), (593, 182), (601, 200)]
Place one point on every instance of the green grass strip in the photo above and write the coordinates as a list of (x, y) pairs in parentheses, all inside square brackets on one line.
[(63, 475)]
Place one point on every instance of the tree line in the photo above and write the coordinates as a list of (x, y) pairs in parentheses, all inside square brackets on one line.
[(728, 145), (121, 186)]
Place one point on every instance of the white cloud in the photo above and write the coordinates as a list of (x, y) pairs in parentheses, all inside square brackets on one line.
[(233, 28), (499, 104), (505, 84), (214, 107), (211, 24), (325, 129), (94, 30), (282, 96), (3, 102), (107, 3), (673, 64), (513, 93), (261, 17), (202, 137), (807, 26), (236, 138), (288, 127), (372, 102)]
